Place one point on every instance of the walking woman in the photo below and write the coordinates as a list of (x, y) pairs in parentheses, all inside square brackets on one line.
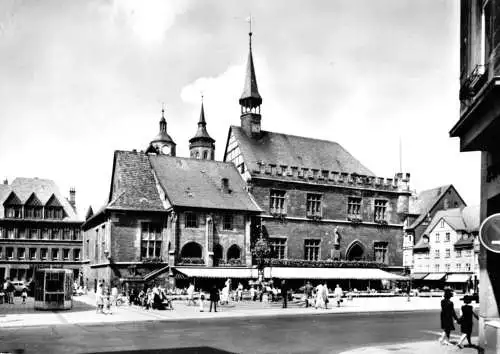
[(466, 321), (447, 316)]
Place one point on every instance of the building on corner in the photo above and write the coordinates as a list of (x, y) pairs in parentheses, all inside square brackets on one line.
[(39, 228)]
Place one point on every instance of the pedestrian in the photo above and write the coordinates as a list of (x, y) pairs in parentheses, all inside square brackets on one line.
[(10, 291), (320, 302), (99, 299), (5, 291), (253, 293), (466, 321), (225, 295), (308, 292), (114, 297), (239, 293), (214, 298), (24, 295), (338, 293), (201, 301), (190, 293), (325, 294), (284, 293), (447, 316)]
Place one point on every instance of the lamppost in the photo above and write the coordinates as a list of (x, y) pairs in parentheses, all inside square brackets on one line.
[(262, 253)]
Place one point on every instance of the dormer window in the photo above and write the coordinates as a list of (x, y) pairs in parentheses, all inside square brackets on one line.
[(54, 209), (13, 207), (13, 211), (53, 213)]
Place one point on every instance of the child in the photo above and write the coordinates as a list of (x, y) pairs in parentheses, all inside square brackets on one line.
[(466, 321), (24, 295)]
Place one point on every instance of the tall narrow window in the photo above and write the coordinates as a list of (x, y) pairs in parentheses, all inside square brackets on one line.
[(151, 240), (278, 247), (32, 253), (354, 207), (277, 203), (76, 254), (447, 237), (191, 220), (447, 253), (380, 250), (227, 223), (21, 253), (66, 254), (311, 250), (313, 205), (55, 254), (44, 253), (380, 208)]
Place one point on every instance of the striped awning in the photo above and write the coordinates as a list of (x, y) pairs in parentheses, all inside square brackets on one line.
[(330, 273), (419, 276), (458, 278), (435, 276), (218, 272)]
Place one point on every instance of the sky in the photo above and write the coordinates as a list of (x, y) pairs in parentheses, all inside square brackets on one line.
[(81, 79)]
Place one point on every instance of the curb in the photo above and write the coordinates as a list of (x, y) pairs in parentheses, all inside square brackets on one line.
[(227, 315)]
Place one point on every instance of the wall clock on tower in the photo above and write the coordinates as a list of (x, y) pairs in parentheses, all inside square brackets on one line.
[(165, 149)]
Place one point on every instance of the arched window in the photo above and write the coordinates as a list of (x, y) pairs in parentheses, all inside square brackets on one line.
[(205, 154), (233, 252), (197, 155), (355, 252), (191, 250)]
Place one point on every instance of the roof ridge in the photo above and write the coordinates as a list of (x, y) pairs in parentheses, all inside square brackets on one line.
[(298, 136)]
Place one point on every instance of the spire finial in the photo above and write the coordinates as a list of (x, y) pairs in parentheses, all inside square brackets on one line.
[(163, 109), (250, 30)]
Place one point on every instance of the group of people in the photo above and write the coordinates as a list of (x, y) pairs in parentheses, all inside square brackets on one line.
[(8, 293), (106, 297), (449, 317), (154, 298), (319, 296)]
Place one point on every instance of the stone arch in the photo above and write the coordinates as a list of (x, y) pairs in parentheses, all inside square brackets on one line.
[(355, 251), (234, 252), (205, 155), (191, 250)]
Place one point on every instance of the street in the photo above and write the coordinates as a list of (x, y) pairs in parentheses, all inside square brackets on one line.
[(330, 333)]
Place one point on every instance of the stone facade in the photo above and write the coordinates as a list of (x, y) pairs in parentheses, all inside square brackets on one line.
[(478, 129), (38, 229)]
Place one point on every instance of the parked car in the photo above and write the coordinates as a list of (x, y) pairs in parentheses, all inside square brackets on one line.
[(19, 286)]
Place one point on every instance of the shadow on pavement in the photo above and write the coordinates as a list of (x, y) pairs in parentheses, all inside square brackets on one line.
[(185, 350)]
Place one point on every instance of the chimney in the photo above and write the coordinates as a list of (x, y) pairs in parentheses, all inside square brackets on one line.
[(72, 194), (6, 181)]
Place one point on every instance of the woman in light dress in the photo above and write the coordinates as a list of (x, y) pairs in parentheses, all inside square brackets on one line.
[(320, 300)]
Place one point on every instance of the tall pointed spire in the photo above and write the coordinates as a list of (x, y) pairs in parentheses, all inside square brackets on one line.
[(202, 146), (250, 98)]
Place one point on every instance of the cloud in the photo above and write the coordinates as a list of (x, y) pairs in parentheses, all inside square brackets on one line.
[(149, 19)]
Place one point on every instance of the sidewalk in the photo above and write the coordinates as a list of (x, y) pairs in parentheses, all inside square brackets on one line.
[(416, 347), (84, 311)]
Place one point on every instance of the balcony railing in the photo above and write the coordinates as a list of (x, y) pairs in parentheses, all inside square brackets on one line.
[(190, 261)]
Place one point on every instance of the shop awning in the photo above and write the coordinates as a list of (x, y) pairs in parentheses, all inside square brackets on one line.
[(218, 272), (419, 276), (435, 276), (330, 273), (458, 278)]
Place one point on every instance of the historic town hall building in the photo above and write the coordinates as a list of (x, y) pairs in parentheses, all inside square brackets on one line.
[(198, 218), (318, 201)]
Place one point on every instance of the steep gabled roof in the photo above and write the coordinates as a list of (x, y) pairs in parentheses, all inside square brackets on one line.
[(33, 201), (42, 189), (460, 219), (198, 183), (291, 150), (425, 201), (133, 185)]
